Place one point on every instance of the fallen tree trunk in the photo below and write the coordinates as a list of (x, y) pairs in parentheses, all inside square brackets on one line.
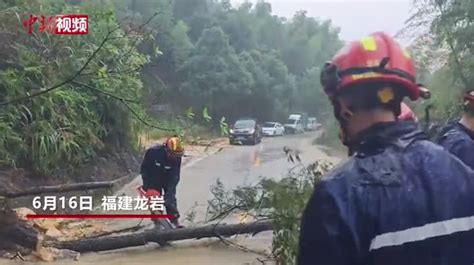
[(139, 239), (59, 188), (15, 231), (20, 234)]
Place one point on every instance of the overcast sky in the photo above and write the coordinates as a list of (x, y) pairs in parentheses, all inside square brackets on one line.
[(356, 18)]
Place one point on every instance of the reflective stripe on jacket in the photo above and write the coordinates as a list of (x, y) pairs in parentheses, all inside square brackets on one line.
[(399, 200)]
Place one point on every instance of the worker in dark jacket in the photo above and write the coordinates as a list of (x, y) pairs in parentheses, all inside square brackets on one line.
[(160, 171), (400, 199), (458, 137)]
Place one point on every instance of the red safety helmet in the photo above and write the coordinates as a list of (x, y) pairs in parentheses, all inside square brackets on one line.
[(407, 113), (376, 58)]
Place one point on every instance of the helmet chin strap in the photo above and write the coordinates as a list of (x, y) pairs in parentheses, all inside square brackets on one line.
[(343, 115)]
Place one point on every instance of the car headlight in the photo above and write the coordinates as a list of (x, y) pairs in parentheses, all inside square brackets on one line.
[(252, 131), (231, 130)]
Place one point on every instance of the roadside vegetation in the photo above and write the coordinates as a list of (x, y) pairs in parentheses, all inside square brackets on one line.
[(441, 37), (68, 99), (281, 201)]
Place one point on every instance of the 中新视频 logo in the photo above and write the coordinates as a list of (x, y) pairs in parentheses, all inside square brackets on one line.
[(60, 24)]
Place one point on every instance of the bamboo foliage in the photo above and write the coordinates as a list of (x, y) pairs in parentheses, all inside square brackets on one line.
[(69, 125)]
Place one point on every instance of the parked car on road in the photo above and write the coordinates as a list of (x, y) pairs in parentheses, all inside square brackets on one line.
[(312, 124), (245, 130), (273, 129), (294, 124)]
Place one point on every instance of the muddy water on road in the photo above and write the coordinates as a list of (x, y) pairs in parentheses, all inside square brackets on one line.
[(199, 255), (176, 256)]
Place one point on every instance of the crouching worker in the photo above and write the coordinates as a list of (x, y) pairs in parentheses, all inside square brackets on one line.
[(160, 171)]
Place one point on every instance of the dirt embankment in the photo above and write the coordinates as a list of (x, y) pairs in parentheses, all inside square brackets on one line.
[(105, 167), (102, 168)]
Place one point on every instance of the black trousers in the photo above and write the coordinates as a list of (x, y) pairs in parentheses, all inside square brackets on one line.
[(168, 188)]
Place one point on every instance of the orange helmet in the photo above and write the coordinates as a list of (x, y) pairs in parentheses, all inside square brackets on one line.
[(406, 113), (376, 58), (174, 146)]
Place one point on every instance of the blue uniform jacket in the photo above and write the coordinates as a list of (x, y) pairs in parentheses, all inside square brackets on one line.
[(158, 170), (459, 141), (399, 200)]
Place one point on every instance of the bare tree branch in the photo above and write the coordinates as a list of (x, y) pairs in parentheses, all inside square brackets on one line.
[(243, 248), (103, 92), (112, 72), (143, 120)]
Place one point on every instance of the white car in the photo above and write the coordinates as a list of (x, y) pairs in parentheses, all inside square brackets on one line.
[(312, 124), (273, 129)]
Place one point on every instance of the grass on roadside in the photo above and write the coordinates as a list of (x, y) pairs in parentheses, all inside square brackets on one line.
[(191, 133), (330, 139)]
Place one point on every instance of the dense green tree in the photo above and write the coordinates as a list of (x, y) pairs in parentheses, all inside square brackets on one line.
[(235, 60), (443, 50), (213, 52), (214, 75), (74, 121)]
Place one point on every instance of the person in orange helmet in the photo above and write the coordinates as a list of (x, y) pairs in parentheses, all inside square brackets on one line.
[(160, 171), (399, 199)]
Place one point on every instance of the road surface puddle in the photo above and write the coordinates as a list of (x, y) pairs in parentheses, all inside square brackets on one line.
[(201, 254)]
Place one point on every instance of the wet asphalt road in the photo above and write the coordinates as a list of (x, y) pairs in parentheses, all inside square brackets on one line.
[(240, 166), (234, 166)]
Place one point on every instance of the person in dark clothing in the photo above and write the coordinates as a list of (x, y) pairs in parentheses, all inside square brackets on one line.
[(458, 137), (160, 171), (400, 199)]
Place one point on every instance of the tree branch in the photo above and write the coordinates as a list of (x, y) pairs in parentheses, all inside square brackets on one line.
[(450, 41), (84, 66), (143, 120), (104, 92), (112, 72), (68, 80)]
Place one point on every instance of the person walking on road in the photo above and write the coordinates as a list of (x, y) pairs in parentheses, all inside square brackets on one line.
[(458, 137), (400, 199), (160, 171)]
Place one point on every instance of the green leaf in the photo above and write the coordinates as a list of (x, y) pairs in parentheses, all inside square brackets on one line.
[(205, 115), (102, 72), (189, 113), (224, 127), (109, 15), (157, 52)]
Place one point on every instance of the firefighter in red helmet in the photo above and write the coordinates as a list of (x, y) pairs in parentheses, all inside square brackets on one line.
[(399, 199)]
